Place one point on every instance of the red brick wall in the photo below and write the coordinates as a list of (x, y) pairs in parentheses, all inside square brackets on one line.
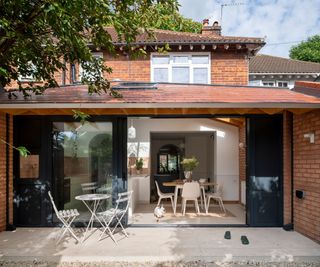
[(226, 68), (3, 164), (2, 173), (307, 174), (287, 165), (129, 70), (229, 68)]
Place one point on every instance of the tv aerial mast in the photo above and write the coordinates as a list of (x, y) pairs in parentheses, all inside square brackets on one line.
[(228, 5)]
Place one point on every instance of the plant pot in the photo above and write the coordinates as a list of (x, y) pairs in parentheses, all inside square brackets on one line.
[(188, 175), (138, 171)]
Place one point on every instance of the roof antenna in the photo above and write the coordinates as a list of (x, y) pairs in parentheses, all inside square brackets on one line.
[(228, 5)]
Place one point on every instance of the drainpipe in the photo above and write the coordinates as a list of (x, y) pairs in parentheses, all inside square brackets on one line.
[(9, 227), (63, 75)]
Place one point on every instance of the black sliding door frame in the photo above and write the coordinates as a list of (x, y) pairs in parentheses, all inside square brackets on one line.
[(46, 177), (250, 168)]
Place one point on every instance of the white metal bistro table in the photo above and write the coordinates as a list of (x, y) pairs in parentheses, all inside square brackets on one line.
[(92, 207)]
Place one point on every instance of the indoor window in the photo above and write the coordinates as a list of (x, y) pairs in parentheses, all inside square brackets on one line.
[(181, 68)]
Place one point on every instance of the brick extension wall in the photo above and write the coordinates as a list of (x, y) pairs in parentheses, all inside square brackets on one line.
[(307, 174), (287, 165), (3, 164)]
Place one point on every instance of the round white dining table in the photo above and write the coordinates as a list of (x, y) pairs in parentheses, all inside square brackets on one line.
[(92, 202)]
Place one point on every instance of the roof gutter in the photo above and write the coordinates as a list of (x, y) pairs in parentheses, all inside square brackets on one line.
[(284, 73), (174, 105), (192, 43)]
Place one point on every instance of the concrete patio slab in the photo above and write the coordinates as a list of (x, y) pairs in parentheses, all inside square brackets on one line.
[(160, 247)]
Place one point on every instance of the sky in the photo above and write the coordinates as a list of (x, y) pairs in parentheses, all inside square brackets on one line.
[(283, 23)]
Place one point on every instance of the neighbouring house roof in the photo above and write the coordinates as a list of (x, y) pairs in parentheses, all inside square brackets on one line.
[(166, 96), (173, 37), (265, 64), (309, 88)]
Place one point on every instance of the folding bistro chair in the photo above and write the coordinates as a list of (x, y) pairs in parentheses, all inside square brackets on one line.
[(116, 214), (66, 217), (89, 188)]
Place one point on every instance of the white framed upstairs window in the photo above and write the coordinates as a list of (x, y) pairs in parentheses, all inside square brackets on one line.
[(28, 77), (181, 68), (82, 72)]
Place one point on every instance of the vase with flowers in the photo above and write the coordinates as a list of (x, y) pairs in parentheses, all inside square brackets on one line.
[(189, 164), (139, 165)]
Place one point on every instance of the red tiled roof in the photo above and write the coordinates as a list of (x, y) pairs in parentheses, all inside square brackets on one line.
[(271, 64), (172, 37), (174, 95)]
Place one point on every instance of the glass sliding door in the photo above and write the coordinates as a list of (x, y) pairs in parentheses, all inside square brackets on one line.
[(82, 156)]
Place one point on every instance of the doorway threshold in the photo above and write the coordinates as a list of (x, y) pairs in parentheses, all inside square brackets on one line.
[(177, 225)]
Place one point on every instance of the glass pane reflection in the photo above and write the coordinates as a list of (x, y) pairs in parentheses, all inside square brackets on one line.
[(82, 162)]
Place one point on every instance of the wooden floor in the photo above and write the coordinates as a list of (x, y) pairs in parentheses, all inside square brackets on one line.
[(235, 215)]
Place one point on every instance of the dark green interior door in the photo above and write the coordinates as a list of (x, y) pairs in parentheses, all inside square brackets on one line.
[(265, 171)]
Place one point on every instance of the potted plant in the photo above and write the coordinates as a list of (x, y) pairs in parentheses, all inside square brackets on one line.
[(189, 164), (139, 165)]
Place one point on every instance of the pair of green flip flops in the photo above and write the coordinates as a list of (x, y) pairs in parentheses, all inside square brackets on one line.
[(244, 239)]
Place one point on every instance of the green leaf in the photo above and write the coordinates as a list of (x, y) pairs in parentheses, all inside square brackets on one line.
[(78, 114), (41, 39), (307, 50), (24, 152)]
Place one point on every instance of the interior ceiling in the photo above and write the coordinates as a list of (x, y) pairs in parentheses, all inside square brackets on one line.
[(175, 135)]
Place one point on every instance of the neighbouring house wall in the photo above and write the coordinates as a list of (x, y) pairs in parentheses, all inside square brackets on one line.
[(3, 176), (306, 174), (287, 167), (227, 146)]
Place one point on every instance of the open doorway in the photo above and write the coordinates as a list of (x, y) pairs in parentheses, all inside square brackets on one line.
[(161, 144)]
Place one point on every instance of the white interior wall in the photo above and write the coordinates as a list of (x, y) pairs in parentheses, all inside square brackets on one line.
[(226, 160)]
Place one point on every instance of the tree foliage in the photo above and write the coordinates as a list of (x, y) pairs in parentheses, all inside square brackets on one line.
[(161, 16), (38, 37), (308, 50)]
